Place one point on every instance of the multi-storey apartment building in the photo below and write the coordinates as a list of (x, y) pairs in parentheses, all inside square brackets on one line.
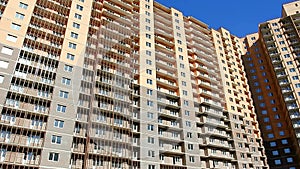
[(239, 105), (120, 84), (273, 73)]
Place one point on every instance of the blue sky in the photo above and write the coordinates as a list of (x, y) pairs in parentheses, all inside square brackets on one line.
[(239, 16)]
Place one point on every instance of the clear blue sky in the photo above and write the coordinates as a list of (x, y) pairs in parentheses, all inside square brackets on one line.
[(241, 17)]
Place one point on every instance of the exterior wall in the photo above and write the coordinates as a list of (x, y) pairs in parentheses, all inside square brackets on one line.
[(290, 8)]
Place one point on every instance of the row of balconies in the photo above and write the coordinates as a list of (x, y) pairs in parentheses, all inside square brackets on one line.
[(116, 8), (163, 56), (28, 158), (33, 92), (34, 78), (16, 104), (31, 124), (97, 163), (34, 141), (214, 143)]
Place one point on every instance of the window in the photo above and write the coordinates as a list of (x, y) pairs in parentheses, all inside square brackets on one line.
[(72, 45), (179, 42), (148, 71), (292, 70), (183, 83), (19, 16), (79, 7), (53, 156), (192, 159), (273, 144), (190, 146), (148, 62), (275, 153), (3, 64), (279, 124), (63, 94), (11, 38), (148, 52), (70, 56), (295, 78), (151, 166), (76, 25), (148, 28), (266, 119), (151, 140), (59, 123), (151, 153), (189, 135), (187, 113), (7, 51), (56, 139), (22, 5), (149, 92), (77, 16), (61, 108), (15, 26), (180, 57), (287, 150), (277, 162), (268, 127), (148, 36), (150, 127), (289, 159), (68, 68), (150, 115), (286, 55), (147, 20), (284, 141), (149, 81), (188, 123), (150, 103), (147, 13), (270, 135), (1, 79), (180, 49), (148, 44), (182, 74), (66, 81)]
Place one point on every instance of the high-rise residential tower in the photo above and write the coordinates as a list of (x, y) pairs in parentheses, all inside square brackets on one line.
[(272, 67), (111, 84), (238, 101)]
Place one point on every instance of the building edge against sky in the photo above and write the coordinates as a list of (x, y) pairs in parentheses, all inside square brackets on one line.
[(272, 68), (139, 86)]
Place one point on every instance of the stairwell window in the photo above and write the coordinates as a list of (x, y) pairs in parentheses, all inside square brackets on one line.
[(53, 156), (70, 56), (79, 7), (23, 5), (19, 16), (72, 45), (15, 26), (61, 108)]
